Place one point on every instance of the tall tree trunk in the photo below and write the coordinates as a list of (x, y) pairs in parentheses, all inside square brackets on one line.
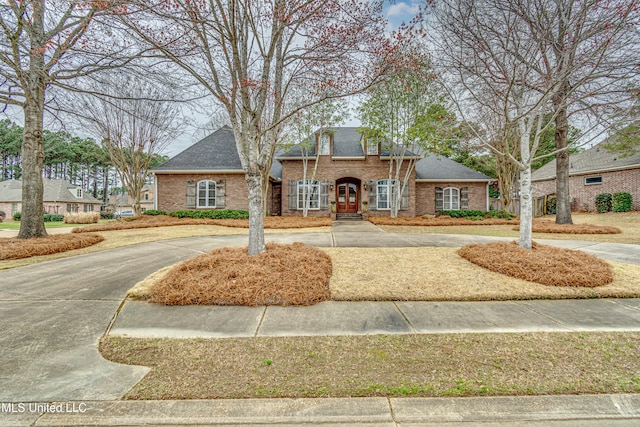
[(32, 219), (256, 213), (563, 195)]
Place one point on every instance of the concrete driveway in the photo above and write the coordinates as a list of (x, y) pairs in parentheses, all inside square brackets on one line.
[(52, 314)]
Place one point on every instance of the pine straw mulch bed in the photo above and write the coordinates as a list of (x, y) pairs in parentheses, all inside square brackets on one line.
[(545, 226), (284, 275), (442, 221), (542, 264), (24, 248), (147, 221)]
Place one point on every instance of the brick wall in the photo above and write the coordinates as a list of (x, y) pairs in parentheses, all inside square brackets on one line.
[(426, 193), (365, 170), (7, 209), (585, 195), (172, 190)]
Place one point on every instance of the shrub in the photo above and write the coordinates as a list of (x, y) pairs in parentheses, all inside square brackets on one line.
[(154, 212), (603, 202), (106, 215), (621, 202), (469, 214), (81, 218), (212, 214), (16, 216), (2, 216), (552, 202), (501, 214), (53, 218)]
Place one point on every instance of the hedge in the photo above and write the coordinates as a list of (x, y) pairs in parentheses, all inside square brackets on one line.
[(154, 212), (552, 203), (603, 202), (621, 202), (53, 218), (212, 214), (106, 215), (16, 216), (476, 215)]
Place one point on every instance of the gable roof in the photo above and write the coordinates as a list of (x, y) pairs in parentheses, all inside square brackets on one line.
[(595, 159), (55, 190), (347, 143), (439, 168), (214, 153)]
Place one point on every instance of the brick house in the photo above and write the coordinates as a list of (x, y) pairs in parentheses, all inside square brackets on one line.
[(351, 178), (59, 197), (593, 172)]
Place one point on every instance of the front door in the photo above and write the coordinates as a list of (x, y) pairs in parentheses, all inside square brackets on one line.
[(347, 197)]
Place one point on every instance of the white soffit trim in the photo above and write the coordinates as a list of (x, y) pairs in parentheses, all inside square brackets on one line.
[(197, 171), (620, 168), (456, 180)]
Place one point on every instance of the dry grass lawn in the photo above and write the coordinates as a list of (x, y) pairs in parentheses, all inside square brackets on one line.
[(378, 365), (546, 226), (436, 274), (542, 264), (12, 249), (440, 274), (627, 222), (283, 275), (442, 221), (149, 221)]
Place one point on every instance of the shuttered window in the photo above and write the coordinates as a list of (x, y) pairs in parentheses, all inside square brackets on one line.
[(206, 194), (309, 194)]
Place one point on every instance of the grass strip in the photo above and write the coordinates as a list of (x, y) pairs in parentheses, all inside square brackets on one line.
[(378, 365)]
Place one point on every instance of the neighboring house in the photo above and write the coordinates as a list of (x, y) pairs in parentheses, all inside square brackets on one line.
[(123, 201), (593, 172), (351, 175), (59, 197)]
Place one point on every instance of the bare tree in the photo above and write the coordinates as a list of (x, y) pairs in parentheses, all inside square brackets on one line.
[(588, 50), (135, 122), (248, 54), (403, 113), (488, 55), (46, 44)]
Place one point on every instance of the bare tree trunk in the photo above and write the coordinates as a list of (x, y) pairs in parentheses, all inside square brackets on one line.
[(31, 219), (526, 208), (256, 213), (563, 195)]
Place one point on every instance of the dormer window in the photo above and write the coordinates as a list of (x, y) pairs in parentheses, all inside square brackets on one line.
[(79, 193), (372, 147), (324, 144)]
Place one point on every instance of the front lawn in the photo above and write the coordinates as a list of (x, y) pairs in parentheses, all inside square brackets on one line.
[(379, 365), (627, 222)]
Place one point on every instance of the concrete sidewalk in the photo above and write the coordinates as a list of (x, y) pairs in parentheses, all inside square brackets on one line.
[(141, 319), (594, 410)]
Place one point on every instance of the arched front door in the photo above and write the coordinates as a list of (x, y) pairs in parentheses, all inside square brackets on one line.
[(347, 195)]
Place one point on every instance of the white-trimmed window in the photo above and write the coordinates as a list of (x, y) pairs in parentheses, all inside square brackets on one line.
[(88, 207), (451, 199), (207, 194), (324, 144), (385, 189), (593, 180), (309, 192), (372, 146), (79, 193)]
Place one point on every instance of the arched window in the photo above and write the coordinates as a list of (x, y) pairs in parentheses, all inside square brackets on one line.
[(451, 199), (206, 194)]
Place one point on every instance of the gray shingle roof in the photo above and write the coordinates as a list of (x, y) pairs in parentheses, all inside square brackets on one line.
[(347, 142), (55, 190), (214, 152), (596, 158), (435, 167)]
